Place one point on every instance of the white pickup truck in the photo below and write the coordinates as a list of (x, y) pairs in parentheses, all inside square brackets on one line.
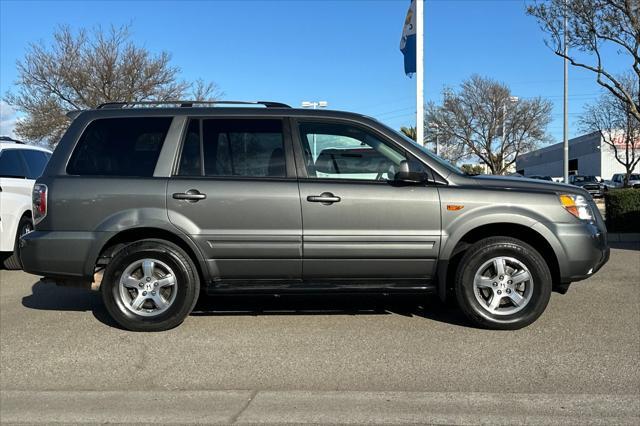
[(20, 166), (617, 181)]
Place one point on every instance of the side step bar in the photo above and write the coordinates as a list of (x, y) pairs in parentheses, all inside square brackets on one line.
[(324, 287)]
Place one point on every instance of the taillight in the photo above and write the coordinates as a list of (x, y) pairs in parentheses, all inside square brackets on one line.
[(39, 199)]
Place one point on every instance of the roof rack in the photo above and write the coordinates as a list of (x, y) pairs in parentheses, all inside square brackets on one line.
[(9, 139), (189, 104)]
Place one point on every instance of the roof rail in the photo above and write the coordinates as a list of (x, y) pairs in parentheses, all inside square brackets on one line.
[(189, 104), (9, 139)]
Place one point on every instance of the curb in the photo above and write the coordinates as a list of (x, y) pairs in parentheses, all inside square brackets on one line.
[(314, 407), (624, 237)]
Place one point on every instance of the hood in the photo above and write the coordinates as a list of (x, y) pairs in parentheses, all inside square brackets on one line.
[(510, 182)]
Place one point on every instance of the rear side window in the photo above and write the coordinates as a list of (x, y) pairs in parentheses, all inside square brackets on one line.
[(237, 147), (11, 164), (36, 162), (120, 147)]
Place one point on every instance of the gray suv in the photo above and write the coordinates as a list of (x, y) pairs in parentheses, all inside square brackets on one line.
[(154, 203)]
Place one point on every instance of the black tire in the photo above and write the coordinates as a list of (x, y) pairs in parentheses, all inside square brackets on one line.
[(483, 251), (13, 261), (187, 285)]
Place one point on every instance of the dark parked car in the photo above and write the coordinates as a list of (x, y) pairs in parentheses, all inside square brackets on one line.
[(539, 177), (589, 183), (153, 204)]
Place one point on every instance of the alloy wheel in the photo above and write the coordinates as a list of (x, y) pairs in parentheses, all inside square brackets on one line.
[(503, 285), (147, 287)]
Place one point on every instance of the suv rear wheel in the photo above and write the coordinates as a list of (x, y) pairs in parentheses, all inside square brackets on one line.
[(150, 285), (502, 283)]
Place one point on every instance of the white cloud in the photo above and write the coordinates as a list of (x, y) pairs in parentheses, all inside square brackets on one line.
[(8, 120)]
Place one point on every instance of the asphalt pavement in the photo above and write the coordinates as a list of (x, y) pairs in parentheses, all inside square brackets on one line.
[(324, 359)]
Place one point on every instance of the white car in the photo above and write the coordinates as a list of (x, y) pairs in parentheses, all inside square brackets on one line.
[(20, 166)]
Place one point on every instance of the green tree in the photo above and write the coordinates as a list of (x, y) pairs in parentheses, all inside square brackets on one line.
[(410, 132), (472, 169)]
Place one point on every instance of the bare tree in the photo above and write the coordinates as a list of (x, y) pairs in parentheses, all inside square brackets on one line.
[(484, 121), (84, 69), (593, 27), (620, 130)]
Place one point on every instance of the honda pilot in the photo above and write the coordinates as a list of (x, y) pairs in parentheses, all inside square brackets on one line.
[(156, 203)]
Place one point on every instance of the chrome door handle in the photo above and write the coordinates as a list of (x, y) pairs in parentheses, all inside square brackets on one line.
[(192, 195), (324, 198)]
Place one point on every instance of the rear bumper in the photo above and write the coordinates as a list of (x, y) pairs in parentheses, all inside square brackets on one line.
[(60, 254)]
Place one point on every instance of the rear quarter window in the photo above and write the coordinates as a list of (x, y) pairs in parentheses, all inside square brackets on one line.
[(119, 147), (36, 162)]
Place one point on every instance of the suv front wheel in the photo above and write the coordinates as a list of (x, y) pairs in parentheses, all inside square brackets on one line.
[(150, 285), (502, 283)]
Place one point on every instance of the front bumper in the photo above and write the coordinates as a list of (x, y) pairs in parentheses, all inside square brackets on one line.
[(583, 249), (596, 193)]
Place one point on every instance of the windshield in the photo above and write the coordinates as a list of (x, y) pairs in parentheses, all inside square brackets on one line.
[(431, 155), (586, 179)]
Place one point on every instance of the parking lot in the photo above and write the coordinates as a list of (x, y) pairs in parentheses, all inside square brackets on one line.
[(324, 359)]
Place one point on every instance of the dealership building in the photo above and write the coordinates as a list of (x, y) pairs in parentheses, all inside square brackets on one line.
[(588, 155)]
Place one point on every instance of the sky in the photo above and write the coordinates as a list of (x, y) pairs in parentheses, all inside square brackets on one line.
[(342, 51)]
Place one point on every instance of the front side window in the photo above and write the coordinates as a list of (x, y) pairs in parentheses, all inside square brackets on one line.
[(342, 151), (11, 164), (120, 147), (233, 147)]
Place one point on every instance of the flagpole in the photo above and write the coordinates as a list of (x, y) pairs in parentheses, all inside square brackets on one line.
[(419, 72), (565, 104)]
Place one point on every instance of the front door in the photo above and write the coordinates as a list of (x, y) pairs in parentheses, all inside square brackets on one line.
[(357, 221), (234, 192)]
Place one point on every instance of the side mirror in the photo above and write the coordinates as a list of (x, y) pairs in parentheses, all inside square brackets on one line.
[(405, 175)]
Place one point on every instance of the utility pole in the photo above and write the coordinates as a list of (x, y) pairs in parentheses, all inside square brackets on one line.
[(420, 72), (314, 105), (565, 136)]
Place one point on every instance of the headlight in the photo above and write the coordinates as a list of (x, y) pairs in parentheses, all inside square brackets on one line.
[(577, 205)]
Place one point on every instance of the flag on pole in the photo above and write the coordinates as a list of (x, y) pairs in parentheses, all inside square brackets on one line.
[(408, 40)]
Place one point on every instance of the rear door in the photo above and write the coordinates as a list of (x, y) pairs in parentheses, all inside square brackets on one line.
[(235, 193), (358, 222)]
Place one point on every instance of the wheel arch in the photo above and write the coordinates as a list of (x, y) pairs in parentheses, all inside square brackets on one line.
[(456, 249), (116, 242)]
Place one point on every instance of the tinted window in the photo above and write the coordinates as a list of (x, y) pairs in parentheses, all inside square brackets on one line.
[(120, 147), (36, 162), (190, 161), (248, 148), (339, 151), (585, 179), (11, 164)]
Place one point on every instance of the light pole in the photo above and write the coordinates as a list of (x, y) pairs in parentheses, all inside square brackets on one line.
[(314, 105)]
